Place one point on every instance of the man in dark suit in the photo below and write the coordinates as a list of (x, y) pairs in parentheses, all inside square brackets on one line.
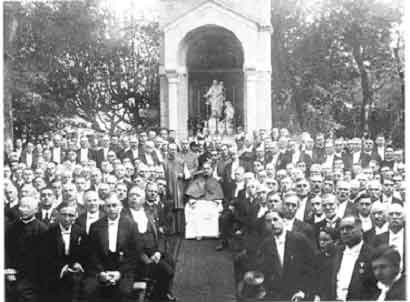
[(246, 209), (286, 260), (47, 213), (157, 264), (57, 152), (345, 207), (114, 249), (84, 153), (149, 156), (391, 285), (318, 153), (134, 151), (28, 156), (396, 233), (63, 256), (92, 213), (22, 254), (304, 212), (102, 153), (378, 214), (352, 276), (292, 224)]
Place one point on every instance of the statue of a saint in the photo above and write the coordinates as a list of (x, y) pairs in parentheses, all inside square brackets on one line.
[(229, 114), (215, 98)]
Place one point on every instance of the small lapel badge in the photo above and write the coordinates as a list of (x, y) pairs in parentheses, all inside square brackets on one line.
[(121, 256), (361, 267), (79, 240)]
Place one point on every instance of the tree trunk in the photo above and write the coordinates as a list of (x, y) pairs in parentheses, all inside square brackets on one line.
[(10, 28), (366, 91)]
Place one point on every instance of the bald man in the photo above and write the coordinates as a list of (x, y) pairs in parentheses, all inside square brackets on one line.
[(22, 253)]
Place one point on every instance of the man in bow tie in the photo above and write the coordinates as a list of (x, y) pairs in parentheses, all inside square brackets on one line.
[(286, 260), (63, 256), (114, 248), (352, 277)]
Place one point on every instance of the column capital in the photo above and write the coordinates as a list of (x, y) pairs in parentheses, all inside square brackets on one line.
[(172, 76)]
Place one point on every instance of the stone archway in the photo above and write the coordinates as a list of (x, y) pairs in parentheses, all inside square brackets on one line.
[(247, 36), (212, 53)]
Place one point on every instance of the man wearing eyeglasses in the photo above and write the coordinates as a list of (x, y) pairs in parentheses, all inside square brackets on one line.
[(47, 212), (63, 256)]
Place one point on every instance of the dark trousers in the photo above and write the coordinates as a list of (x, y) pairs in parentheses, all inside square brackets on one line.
[(226, 224), (22, 290), (94, 291), (162, 274), (68, 289), (179, 221)]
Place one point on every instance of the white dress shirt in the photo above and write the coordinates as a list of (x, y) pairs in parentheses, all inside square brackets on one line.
[(135, 153), (288, 224), (341, 209), (383, 229), (57, 155), (150, 161), (83, 154), (280, 246), (46, 214), (141, 219), (112, 234), (320, 218), (344, 276), (90, 218), (29, 159), (65, 234), (239, 186), (385, 288), (300, 213), (366, 223), (380, 151), (234, 166), (329, 161), (356, 157), (397, 240)]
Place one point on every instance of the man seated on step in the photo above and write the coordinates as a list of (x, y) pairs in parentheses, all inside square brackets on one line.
[(204, 205)]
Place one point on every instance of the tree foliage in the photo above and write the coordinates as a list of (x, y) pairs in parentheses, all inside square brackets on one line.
[(76, 59), (338, 67)]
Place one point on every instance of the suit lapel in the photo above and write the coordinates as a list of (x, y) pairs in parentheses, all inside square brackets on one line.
[(104, 235), (121, 233), (60, 242)]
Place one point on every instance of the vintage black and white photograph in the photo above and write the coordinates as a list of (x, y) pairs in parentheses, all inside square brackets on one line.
[(203, 150)]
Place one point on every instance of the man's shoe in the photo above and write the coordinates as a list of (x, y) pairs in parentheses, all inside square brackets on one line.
[(219, 247)]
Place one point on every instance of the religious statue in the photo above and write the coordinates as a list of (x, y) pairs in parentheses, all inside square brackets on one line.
[(215, 97), (229, 113)]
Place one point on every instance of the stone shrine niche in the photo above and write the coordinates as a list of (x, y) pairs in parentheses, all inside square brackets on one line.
[(226, 40)]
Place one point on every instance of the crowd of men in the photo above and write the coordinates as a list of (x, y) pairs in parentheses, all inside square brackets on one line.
[(307, 218)]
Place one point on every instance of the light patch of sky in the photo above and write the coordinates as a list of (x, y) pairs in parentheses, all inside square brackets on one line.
[(138, 9)]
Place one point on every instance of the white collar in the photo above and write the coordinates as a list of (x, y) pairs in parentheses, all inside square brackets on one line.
[(364, 218), (29, 220), (113, 222), (399, 233), (381, 285), (281, 237), (354, 249), (92, 215), (64, 231)]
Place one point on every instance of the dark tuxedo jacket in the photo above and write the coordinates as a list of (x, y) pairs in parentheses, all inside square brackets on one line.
[(229, 189), (90, 155), (318, 155), (245, 213), (99, 156), (322, 224), (306, 159), (308, 209), (305, 229), (365, 159), (351, 209), (81, 221), (129, 154), (362, 283), (396, 293), (62, 155), (383, 239), (34, 160), (48, 221), (283, 160), (127, 251), (53, 252), (298, 268), (154, 156)]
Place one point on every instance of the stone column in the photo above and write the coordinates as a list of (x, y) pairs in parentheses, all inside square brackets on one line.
[(250, 117), (173, 82)]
